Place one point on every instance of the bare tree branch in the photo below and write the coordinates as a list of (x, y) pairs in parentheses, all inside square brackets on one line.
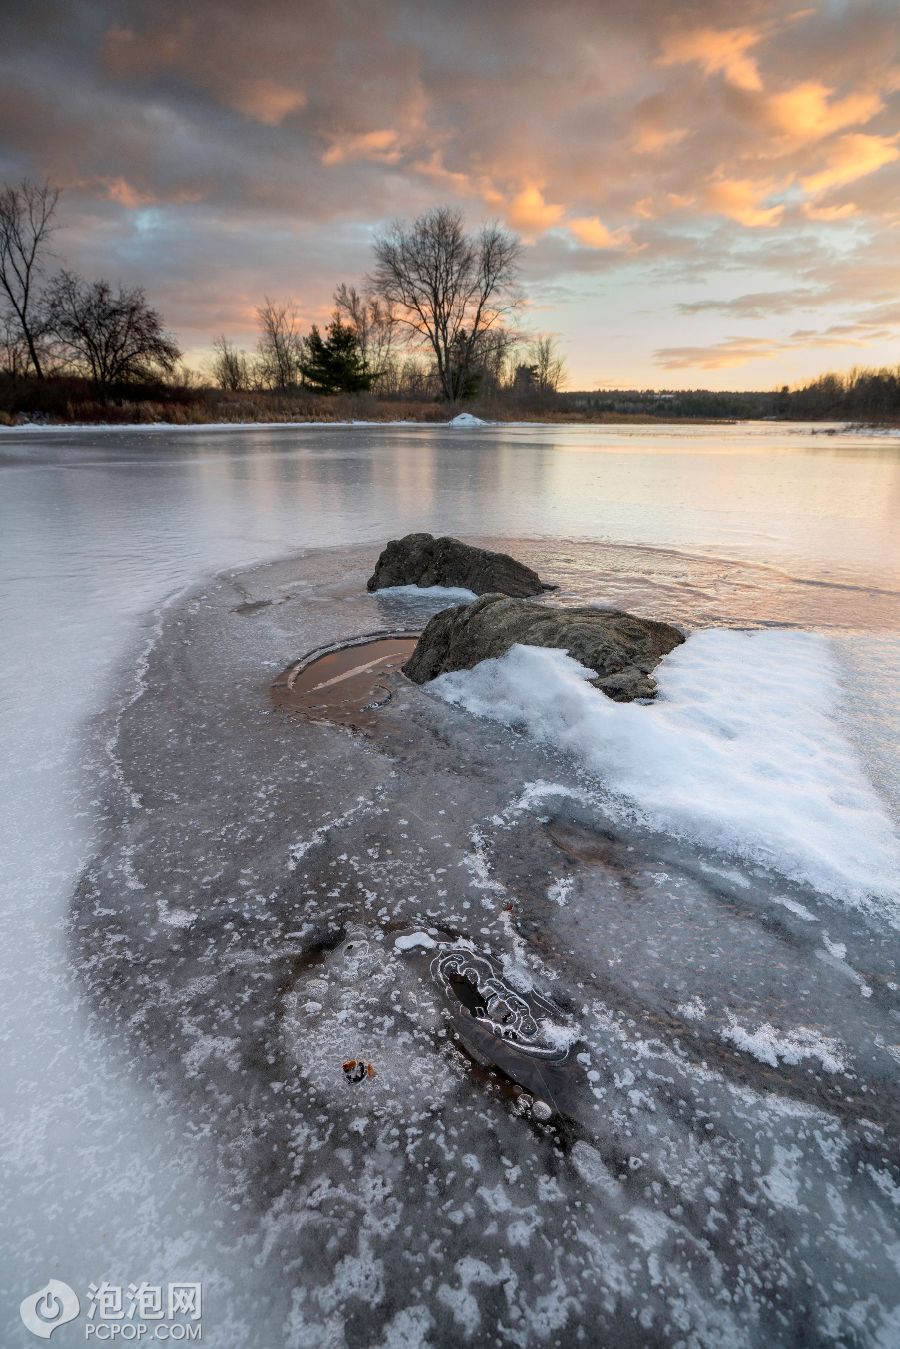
[(26, 224), (449, 289), (375, 324), (281, 345), (230, 367), (547, 364), (111, 336)]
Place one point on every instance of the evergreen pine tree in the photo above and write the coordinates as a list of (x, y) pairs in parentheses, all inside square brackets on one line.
[(334, 363)]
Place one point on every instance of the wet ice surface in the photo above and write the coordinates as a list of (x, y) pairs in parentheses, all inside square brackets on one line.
[(716, 1044), (109, 1171)]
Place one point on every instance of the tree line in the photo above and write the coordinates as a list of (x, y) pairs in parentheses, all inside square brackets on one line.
[(62, 322), (860, 395), (434, 318)]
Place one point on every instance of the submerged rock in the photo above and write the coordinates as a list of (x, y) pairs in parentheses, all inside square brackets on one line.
[(422, 560), (622, 648)]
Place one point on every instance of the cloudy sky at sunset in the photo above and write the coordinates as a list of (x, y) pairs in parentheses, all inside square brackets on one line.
[(709, 192)]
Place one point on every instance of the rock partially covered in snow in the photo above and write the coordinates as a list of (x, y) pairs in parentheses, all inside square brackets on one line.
[(621, 648), (424, 561)]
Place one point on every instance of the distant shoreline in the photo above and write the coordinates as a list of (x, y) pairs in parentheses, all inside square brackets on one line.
[(827, 428), (610, 419)]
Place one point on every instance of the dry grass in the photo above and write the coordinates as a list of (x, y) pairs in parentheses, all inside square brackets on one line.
[(70, 401)]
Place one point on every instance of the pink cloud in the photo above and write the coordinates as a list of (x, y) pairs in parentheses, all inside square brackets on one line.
[(716, 51)]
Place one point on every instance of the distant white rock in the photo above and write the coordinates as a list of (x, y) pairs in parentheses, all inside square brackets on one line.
[(464, 419)]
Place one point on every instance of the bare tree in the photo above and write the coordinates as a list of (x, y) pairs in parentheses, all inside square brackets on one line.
[(230, 368), (14, 359), (547, 363), (280, 344), (416, 379), (26, 224), (375, 325), (109, 335), (489, 371), (448, 288)]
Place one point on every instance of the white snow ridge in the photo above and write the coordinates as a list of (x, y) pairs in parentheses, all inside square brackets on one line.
[(452, 594), (770, 1045), (742, 751)]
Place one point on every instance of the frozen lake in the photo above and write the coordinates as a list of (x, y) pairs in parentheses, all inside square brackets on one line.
[(107, 540)]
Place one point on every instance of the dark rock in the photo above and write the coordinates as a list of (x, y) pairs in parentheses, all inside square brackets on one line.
[(622, 649), (423, 560)]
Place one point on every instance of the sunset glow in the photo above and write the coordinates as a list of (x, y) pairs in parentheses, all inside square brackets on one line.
[(706, 195)]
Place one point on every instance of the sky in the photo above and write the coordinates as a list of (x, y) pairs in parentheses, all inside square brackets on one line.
[(708, 192)]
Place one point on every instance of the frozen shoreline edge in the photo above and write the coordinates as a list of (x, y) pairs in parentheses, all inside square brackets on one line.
[(840, 428)]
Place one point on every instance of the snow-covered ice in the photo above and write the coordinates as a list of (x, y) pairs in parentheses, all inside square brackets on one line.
[(743, 750), (204, 896), (792, 1046), (450, 594)]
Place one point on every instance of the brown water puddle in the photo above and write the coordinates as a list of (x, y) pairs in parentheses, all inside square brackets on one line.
[(346, 685)]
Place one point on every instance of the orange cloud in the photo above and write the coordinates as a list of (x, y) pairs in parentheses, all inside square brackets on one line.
[(126, 194), (814, 212), (741, 199), (732, 351), (805, 113), (716, 51), (650, 140), (381, 146), (651, 208), (591, 231), (118, 189), (852, 157), (530, 213), (720, 356), (435, 169), (266, 101)]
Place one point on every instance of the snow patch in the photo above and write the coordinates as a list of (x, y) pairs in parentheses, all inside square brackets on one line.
[(560, 890), (465, 419), (412, 939), (782, 1184), (175, 917), (771, 1046), (451, 594), (742, 751), (793, 906)]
